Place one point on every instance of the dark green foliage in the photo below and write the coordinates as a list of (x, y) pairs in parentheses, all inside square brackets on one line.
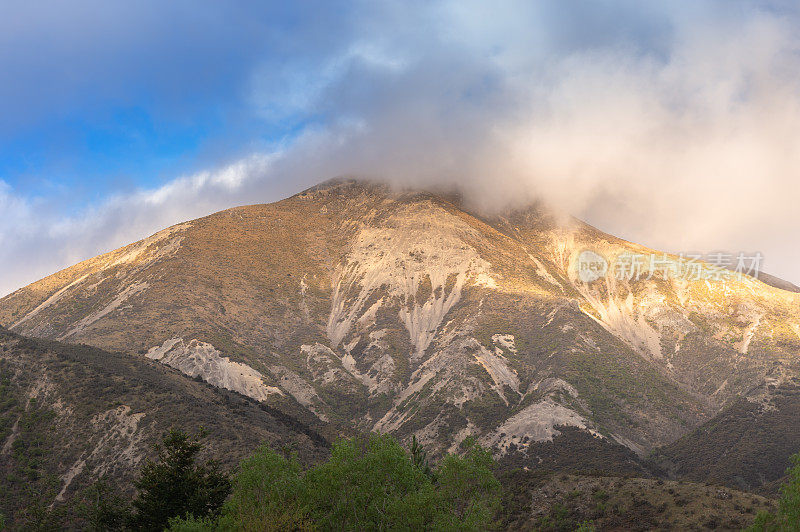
[(419, 457), (177, 485), (369, 483), (787, 518), (102, 508), (745, 446)]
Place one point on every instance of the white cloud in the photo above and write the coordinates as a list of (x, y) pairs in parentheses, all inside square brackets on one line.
[(675, 126), (37, 241)]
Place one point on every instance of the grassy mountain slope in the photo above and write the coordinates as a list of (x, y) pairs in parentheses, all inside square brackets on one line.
[(407, 312), (557, 501), (70, 414), (746, 446)]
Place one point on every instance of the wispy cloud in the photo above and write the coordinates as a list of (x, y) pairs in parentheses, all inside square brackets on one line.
[(677, 126)]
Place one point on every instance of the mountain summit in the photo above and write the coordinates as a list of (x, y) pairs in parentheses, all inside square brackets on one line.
[(404, 312)]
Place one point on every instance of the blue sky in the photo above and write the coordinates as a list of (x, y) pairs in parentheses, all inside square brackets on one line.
[(666, 123), (102, 96)]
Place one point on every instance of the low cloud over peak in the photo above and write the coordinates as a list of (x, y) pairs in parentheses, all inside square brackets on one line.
[(675, 126)]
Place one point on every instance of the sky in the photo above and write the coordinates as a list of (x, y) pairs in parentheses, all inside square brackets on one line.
[(672, 124)]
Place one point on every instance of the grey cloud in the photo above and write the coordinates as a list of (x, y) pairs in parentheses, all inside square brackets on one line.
[(677, 127)]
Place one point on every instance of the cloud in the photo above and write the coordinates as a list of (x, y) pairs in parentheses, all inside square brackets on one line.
[(677, 126)]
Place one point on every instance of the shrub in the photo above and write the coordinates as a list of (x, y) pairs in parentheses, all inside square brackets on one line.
[(368, 483), (103, 508), (787, 519)]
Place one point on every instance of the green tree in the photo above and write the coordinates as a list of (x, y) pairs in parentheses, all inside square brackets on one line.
[(369, 483), (176, 484), (787, 519), (419, 457), (103, 508), (268, 494), (471, 492)]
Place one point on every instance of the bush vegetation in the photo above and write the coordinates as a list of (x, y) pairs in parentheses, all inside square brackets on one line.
[(177, 484), (369, 483), (787, 517)]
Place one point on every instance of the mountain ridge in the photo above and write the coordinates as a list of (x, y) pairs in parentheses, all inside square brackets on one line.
[(73, 414), (401, 311)]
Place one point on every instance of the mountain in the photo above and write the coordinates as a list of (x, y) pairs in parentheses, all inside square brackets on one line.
[(746, 446), (541, 500), (70, 414), (409, 312), (777, 282)]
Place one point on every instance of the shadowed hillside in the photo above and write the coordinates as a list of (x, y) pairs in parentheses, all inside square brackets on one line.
[(70, 414), (746, 446)]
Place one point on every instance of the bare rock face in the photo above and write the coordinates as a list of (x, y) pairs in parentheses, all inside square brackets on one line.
[(72, 414), (407, 313), (199, 359)]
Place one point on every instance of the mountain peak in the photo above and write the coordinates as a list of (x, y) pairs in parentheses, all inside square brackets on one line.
[(410, 314)]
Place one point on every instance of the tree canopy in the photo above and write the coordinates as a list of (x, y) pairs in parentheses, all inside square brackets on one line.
[(787, 518), (369, 483), (177, 484)]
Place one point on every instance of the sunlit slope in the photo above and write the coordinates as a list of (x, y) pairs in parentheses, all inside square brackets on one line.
[(407, 313)]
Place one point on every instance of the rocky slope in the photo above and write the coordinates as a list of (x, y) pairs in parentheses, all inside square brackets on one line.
[(547, 501), (408, 313), (746, 446), (72, 414)]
